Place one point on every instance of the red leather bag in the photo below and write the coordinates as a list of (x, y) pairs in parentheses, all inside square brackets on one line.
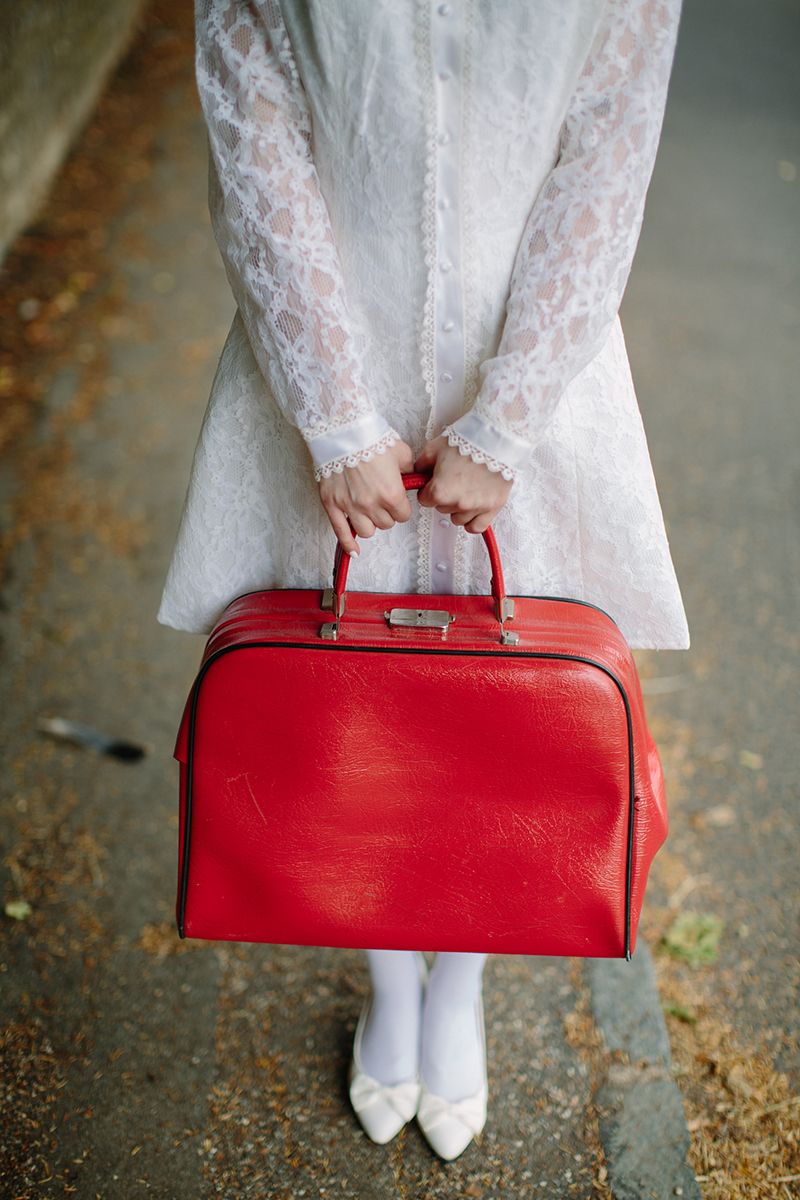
[(475, 774)]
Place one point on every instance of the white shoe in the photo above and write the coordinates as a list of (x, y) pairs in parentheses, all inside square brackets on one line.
[(450, 1127), (382, 1109)]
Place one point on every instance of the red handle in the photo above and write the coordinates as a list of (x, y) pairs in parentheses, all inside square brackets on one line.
[(412, 482)]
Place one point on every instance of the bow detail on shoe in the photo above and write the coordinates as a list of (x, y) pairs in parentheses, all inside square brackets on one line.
[(435, 1111), (402, 1097)]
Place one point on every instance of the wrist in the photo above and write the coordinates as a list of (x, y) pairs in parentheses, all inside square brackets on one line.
[(475, 437), (347, 447)]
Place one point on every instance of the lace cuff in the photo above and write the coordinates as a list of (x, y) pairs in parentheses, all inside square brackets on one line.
[(473, 436), (350, 445)]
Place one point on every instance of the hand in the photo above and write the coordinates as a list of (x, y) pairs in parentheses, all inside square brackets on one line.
[(371, 495), (469, 492)]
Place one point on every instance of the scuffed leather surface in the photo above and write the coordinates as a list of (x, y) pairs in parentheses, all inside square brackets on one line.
[(407, 800)]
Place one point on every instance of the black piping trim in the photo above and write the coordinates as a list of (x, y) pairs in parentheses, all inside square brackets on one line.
[(555, 599), (187, 821)]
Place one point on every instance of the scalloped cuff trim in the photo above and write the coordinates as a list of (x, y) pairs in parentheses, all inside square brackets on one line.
[(484, 443), (358, 456), (468, 450), (346, 441)]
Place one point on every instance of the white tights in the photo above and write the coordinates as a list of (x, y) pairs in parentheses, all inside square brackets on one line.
[(441, 1036)]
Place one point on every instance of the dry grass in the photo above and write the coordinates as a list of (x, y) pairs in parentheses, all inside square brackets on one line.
[(743, 1118), (582, 1034), (742, 1114), (60, 300)]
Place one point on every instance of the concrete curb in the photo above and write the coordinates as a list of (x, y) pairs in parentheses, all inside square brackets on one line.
[(642, 1122)]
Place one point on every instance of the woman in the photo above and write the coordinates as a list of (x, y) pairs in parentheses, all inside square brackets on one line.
[(428, 213)]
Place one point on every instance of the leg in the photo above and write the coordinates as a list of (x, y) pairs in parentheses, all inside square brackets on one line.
[(452, 1041), (452, 1107), (384, 1074), (390, 1040)]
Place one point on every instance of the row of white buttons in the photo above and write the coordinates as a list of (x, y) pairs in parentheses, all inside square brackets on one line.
[(449, 339)]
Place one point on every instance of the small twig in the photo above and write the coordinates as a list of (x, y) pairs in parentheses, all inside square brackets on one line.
[(775, 1107), (682, 891)]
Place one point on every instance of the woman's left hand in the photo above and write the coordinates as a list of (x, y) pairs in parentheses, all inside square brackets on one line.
[(467, 491)]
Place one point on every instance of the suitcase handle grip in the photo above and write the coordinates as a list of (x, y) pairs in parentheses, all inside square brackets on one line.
[(504, 608)]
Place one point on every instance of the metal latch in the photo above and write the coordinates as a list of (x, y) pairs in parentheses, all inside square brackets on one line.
[(505, 612), (419, 618), (327, 601)]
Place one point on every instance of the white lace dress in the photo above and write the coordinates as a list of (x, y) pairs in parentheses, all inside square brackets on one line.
[(428, 213)]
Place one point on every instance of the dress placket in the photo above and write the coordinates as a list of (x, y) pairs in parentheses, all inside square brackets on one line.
[(446, 36)]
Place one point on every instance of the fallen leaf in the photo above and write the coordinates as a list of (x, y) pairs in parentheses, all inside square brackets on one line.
[(737, 1082), (721, 815)]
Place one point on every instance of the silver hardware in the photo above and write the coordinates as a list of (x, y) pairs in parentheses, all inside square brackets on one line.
[(419, 618), (504, 609), (330, 603)]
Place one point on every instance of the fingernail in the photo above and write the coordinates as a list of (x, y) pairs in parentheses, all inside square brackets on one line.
[(353, 553)]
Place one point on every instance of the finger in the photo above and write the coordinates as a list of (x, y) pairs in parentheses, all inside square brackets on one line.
[(382, 519), (426, 459), (465, 518), (432, 496), (364, 527), (479, 523), (344, 534), (399, 509), (405, 459), (442, 498)]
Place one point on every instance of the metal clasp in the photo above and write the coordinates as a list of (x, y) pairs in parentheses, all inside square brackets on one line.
[(505, 612), (419, 618), (330, 602)]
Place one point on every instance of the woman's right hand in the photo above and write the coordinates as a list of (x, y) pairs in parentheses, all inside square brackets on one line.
[(370, 494)]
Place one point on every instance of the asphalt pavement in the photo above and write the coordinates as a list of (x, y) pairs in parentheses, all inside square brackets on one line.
[(146, 1064)]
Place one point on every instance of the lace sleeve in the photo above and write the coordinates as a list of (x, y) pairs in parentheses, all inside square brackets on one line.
[(579, 242), (273, 230)]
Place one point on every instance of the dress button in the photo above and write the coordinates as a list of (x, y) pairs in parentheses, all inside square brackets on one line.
[(444, 10), (444, 138), (444, 203), (444, 521), (449, 326), (445, 267), (446, 377), (441, 566), (445, 75)]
